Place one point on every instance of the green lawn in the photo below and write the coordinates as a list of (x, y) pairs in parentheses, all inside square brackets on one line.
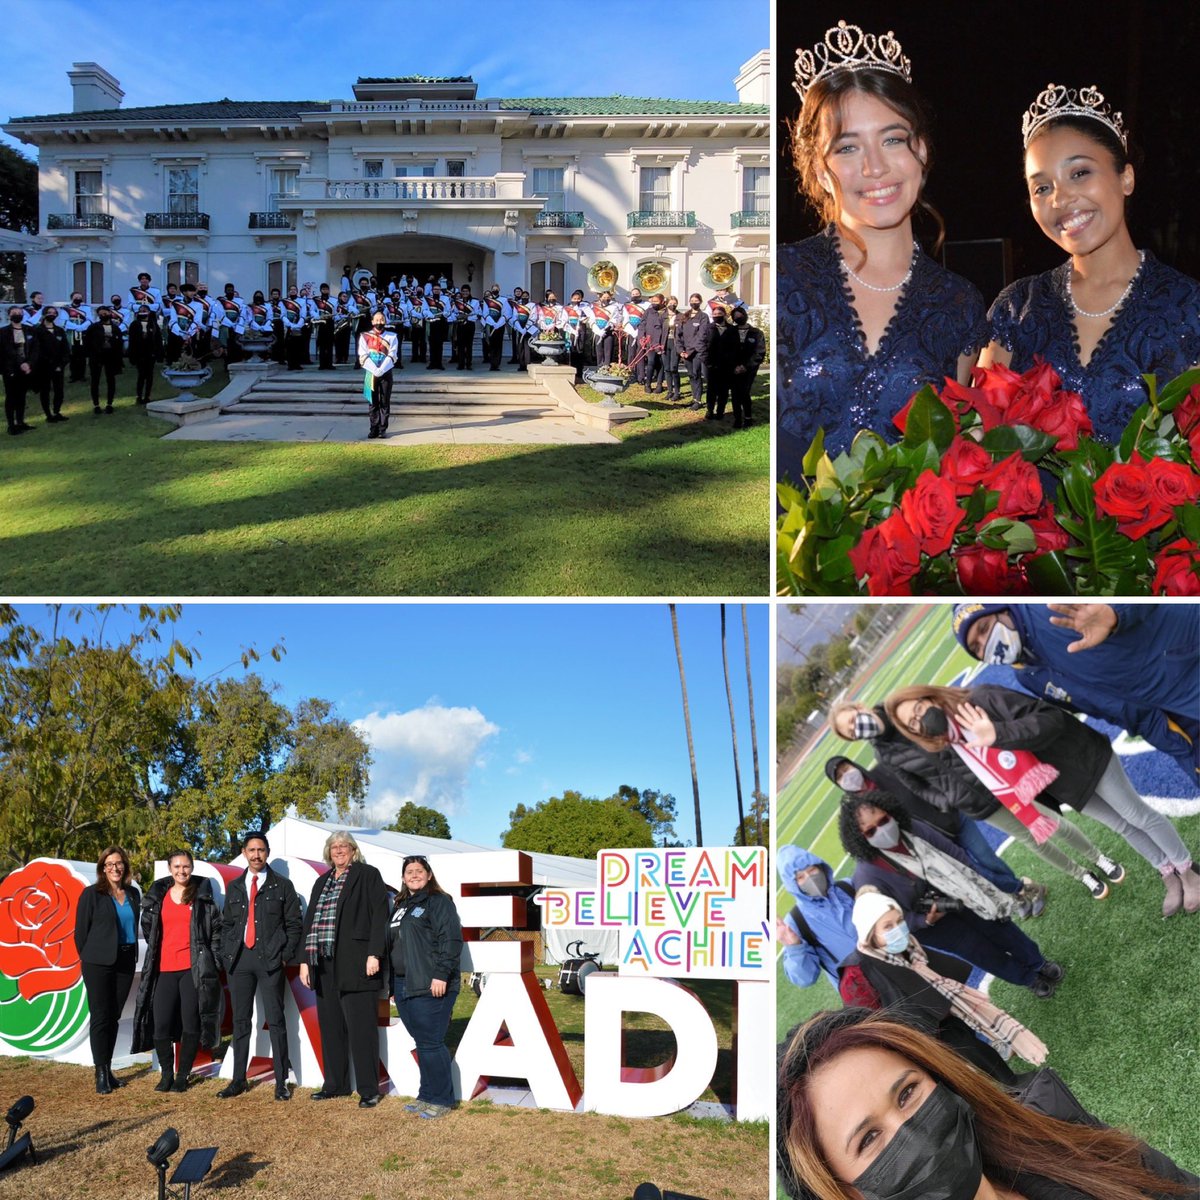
[(103, 506)]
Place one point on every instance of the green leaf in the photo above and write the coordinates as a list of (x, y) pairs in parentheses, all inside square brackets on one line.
[(788, 496), (1050, 574), (1011, 439), (1189, 521), (815, 453), (833, 560), (929, 420), (1174, 392), (1019, 538), (1137, 426)]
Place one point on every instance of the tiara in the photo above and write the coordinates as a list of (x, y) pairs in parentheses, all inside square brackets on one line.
[(847, 48), (1058, 101)]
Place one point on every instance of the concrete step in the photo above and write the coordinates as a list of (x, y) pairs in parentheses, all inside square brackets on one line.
[(441, 399), (359, 412), (330, 384)]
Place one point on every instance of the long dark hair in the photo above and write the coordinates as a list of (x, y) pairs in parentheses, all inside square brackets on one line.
[(853, 841), (1013, 1139), (432, 886), (189, 892), (1104, 137), (820, 122), (102, 884), (945, 698)]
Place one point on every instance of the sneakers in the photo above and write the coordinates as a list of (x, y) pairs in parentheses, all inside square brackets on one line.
[(1097, 887), (1042, 988), (1113, 871), (1031, 898), (432, 1111), (1052, 971)]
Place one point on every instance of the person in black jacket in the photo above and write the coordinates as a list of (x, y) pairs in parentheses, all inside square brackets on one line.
[(345, 940), (102, 345), (51, 354), (260, 935), (745, 352), (16, 366), (180, 991), (106, 920), (145, 349), (721, 357), (652, 339), (425, 944), (695, 335), (964, 1135)]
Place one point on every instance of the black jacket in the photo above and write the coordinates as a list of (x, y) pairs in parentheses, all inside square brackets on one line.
[(145, 347), (277, 922), (730, 350), (362, 921), (51, 349), (904, 991), (695, 334), (653, 329), (12, 356), (97, 933), (95, 345), (206, 974), (425, 942)]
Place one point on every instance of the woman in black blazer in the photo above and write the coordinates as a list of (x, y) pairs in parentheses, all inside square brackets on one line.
[(345, 941), (106, 938)]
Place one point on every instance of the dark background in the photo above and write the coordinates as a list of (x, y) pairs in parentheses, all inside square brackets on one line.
[(979, 66)]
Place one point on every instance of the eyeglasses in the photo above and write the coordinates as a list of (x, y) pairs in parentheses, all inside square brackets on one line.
[(870, 831)]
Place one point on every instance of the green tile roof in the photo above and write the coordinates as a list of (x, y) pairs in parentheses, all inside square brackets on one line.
[(216, 110)]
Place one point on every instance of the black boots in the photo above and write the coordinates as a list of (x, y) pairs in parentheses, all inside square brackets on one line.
[(187, 1055), (103, 1087), (166, 1062), (113, 1081)]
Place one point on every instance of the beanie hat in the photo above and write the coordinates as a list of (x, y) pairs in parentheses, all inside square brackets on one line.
[(868, 908), (965, 615), (832, 764)]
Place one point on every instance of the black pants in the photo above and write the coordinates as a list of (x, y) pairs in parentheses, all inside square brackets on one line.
[(109, 367), (145, 379), (174, 348), (653, 363), (294, 346), (697, 370), (718, 392), (437, 340), (107, 988), (418, 341), (51, 381), (15, 387), (78, 361), (325, 346), (381, 404), (175, 1000), (494, 340), (248, 978), (349, 1026), (739, 391), (524, 354), (341, 345), (604, 349), (576, 357), (464, 344), (305, 338), (277, 346)]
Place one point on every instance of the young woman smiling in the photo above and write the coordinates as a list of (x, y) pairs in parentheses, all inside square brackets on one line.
[(1111, 312), (866, 318)]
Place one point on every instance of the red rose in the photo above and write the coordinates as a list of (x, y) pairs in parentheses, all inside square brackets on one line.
[(965, 464), (37, 928), (890, 555), (1018, 484), (1173, 483), (1125, 491), (1178, 571), (983, 571), (1187, 421), (1066, 418), (931, 511), (1000, 384), (1049, 533), (961, 399)]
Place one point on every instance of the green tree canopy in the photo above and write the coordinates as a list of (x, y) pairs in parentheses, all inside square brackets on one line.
[(657, 807), (421, 821), (578, 826)]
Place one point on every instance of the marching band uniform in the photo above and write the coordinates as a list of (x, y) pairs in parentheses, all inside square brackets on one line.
[(632, 314), (230, 315), (181, 332), (122, 314), (420, 343), (494, 324), (51, 354), (202, 306), (377, 354), (323, 316), (727, 300), (75, 319), (523, 327), (604, 320), (33, 314), (346, 318), (292, 313), (102, 345), (572, 321), (440, 314), (468, 311), (146, 293), (545, 320), (145, 349)]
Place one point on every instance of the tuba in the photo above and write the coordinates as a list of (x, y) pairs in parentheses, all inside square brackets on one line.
[(653, 277), (603, 277), (719, 271)]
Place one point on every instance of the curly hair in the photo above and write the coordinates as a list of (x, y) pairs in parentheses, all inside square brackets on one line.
[(1013, 1139), (853, 841)]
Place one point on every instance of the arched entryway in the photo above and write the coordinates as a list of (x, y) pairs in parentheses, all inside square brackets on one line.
[(395, 255)]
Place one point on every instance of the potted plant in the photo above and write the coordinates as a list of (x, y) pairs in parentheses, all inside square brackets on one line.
[(550, 343), (608, 380), (186, 373)]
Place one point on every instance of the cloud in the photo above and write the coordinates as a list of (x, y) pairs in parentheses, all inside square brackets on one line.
[(422, 756), (522, 756)]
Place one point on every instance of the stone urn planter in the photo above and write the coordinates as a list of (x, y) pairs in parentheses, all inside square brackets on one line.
[(259, 344), (551, 348), (599, 379), (183, 379)]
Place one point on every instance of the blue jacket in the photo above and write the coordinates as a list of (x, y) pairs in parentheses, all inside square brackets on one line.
[(1145, 677), (827, 917)]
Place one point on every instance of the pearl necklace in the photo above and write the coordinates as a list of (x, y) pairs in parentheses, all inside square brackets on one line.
[(870, 286), (1116, 303)]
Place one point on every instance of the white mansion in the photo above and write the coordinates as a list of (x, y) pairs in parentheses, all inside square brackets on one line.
[(413, 176)]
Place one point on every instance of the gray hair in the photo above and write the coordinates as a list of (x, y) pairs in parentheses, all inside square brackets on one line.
[(345, 837)]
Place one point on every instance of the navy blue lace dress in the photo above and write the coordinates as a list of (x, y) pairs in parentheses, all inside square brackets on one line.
[(1156, 330), (828, 380)]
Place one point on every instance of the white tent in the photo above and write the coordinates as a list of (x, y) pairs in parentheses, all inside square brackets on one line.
[(13, 240)]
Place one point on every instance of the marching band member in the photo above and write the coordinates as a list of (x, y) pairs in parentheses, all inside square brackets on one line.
[(510, 308), (229, 313), (377, 354), (347, 284), (604, 319), (440, 314), (122, 316), (546, 316), (416, 308), (468, 311), (522, 324), (632, 313), (204, 308), (572, 320), (143, 293), (293, 312), (33, 311), (75, 319), (102, 345), (494, 321), (183, 333), (257, 316), (725, 299), (345, 320), (145, 349), (323, 318)]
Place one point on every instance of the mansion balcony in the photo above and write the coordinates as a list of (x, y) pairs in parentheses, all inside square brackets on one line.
[(750, 219), (79, 221), (163, 226), (656, 227), (272, 220), (558, 220), (416, 189)]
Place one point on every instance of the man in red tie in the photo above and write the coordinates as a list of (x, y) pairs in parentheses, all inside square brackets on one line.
[(261, 929)]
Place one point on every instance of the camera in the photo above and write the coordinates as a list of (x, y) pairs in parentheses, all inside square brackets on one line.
[(945, 904)]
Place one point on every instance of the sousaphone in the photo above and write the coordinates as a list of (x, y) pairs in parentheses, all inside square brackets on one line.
[(653, 277), (603, 276), (719, 271)]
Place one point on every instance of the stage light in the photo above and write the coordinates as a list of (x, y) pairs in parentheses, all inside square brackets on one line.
[(162, 1150), (17, 1147), (192, 1168)]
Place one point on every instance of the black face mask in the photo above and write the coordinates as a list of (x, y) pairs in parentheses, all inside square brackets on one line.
[(933, 1156), (934, 723)]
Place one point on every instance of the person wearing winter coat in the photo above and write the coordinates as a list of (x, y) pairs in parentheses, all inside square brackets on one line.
[(869, 1105), (825, 906), (180, 991), (424, 945), (1024, 748)]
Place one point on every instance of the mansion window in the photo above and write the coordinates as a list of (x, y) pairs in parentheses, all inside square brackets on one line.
[(89, 193), (548, 182), (415, 171), (373, 168), (281, 274), (182, 271), (284, 184), (755, 283), (546, 276), (183, 190), (654, 189), (87, 277), (756, 189), (456, 168)]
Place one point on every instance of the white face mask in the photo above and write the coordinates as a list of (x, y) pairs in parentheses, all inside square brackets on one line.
[(1003, 645), (852, 780)]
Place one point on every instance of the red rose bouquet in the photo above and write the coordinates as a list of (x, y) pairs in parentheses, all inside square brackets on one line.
[(996, 488)]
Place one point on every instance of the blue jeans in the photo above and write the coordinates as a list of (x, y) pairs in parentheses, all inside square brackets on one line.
[(427, 1018), (987, 862), (998, 947)]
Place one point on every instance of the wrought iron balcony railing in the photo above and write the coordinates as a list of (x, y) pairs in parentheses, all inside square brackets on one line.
[(79, 221), (558, 220), (661, 220), (270, 220), (166, 220), (750, 218)]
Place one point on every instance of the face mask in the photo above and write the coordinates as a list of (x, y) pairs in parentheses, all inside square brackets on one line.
[(1003, 646), (933, 1156), (695, 306), (17, 318), (739, 318), (866, 726), (815, 885), (852, 780), (934, 723), (895, 941), (49, 320), (886, 836)]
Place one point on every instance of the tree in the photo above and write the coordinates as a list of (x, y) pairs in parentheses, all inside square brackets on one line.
[(687, 722), (756, 828), (578, 826), (420, 821), (760, 798), (657, 807), (737, 772), (18, 211)]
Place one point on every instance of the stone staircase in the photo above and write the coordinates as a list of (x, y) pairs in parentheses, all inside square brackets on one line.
[(415, 392)]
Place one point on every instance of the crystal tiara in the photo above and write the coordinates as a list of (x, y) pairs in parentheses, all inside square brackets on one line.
[(1058, 101), (847, 48)]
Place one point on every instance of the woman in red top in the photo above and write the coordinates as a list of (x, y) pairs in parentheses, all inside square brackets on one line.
[(181, 989)]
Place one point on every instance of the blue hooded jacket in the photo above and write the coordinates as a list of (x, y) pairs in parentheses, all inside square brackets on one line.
[(827, 917)]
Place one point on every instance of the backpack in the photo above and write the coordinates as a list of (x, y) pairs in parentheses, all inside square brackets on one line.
[(802, 926)]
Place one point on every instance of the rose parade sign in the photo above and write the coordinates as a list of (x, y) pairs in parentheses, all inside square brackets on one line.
[(681, 915)]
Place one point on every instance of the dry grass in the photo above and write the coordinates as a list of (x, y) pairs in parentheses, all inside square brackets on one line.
[(95, 1146)]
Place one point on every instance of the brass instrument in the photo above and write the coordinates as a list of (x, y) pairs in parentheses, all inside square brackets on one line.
[(719, 271), (653, 277), (603, 276)]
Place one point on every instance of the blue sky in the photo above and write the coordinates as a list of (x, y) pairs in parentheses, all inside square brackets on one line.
[(166, 51), (473, 708)]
